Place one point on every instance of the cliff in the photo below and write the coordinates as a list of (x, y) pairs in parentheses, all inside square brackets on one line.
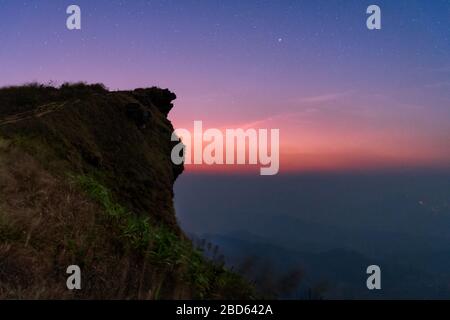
[(86, 179)]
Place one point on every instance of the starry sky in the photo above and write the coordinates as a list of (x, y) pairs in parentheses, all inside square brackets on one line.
[(343, 97)]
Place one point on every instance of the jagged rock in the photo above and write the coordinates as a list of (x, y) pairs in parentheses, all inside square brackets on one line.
[(160, 98)]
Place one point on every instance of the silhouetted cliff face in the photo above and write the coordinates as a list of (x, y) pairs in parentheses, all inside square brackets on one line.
[(125, 135), (86, 178)]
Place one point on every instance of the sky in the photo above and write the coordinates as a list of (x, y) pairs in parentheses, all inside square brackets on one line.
[(344, 97)]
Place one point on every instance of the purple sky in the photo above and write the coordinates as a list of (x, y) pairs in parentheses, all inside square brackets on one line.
[(341, 95)]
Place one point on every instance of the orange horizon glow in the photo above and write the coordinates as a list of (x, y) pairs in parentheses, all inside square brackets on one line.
[(305, 163), (315, 140)]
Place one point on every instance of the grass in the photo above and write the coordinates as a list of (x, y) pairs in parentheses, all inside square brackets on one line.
[(101, 194), (8, 233), (22, 98), (159, 244)]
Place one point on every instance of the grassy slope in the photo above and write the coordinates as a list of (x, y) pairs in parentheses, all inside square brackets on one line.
[(85, 185)]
